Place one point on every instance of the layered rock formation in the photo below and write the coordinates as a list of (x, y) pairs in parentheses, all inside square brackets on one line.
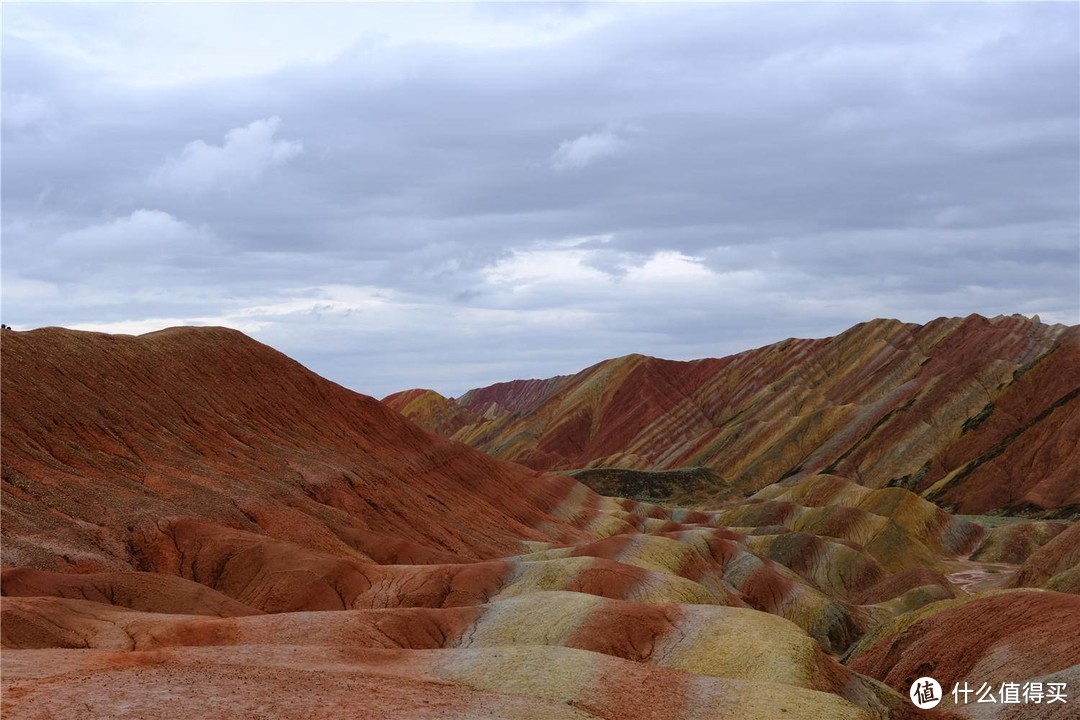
[(196, 526), (975, 414), (108, 439), (993, 639)]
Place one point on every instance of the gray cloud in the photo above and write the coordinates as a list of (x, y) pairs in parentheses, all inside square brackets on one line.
[(450, 195)]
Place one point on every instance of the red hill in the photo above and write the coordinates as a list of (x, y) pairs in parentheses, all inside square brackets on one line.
[(191, 515), (105, 434)]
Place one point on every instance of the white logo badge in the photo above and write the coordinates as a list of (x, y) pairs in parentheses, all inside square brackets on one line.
[(925, 693)]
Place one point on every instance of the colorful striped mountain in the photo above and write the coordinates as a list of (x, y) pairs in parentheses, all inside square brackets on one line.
[(974, 414), (196, 526)]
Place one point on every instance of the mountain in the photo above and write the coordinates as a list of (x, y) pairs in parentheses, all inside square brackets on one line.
[(441, 416), (195, 525), (978, 415), (116, 435)]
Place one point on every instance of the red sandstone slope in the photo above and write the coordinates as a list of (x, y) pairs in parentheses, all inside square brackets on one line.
[(993, 638), (246, 539), (104, 436), (508, 397), (977, 414)]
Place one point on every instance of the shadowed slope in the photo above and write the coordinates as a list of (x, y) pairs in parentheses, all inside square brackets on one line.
[(138, 591), (1056, 565), (1016, 542)]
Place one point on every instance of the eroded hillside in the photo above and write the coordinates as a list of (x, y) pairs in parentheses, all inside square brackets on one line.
[(975, 414), (195, 525)]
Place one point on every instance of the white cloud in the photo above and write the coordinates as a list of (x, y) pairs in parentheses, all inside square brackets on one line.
[(141, 232), (550, 267), (587, 149), (669, 267), (245, 155), (556, 263), (526, 268)]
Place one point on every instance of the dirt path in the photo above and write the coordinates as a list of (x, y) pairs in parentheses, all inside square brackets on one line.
[(975, 577)]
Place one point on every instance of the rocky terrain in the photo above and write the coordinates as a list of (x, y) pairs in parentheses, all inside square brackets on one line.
[(196, 526), (977, 415)]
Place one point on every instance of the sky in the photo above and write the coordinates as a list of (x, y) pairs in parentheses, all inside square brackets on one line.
[(451, 195)]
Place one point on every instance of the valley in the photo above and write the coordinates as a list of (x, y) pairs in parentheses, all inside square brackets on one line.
[(195, 525)]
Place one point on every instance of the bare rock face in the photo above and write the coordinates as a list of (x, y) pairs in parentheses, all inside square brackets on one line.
[(196, 526), (994, 638), (104, 434), (976, 414)]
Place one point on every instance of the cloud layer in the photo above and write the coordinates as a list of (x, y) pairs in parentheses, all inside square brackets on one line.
[(448, 196)]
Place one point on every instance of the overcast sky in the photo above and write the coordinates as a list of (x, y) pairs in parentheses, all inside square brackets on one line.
[(448, 196)]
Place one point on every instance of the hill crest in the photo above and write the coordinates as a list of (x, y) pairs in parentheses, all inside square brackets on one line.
[(958, 410)]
